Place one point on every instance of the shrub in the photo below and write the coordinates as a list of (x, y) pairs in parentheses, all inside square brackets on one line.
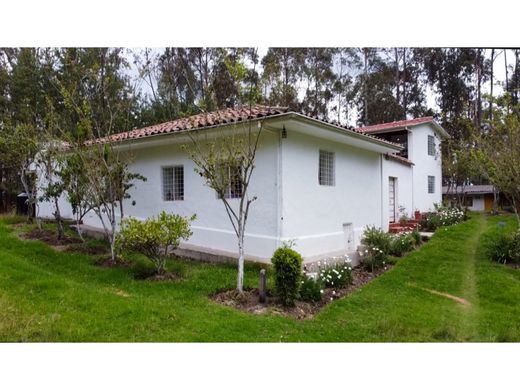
[(311, 289), (337, 274), (374, 258), (443, 216), (402, 243), (154, 237), (505, 248), (416, 237), (375, 237), (287, 264)]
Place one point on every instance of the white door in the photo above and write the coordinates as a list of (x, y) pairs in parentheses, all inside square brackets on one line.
[(348, 231), (391, 197)]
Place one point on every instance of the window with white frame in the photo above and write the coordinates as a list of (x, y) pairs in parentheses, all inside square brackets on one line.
[(431, 145), (326, 176), (431, 184), (173, 183), (231, 176)]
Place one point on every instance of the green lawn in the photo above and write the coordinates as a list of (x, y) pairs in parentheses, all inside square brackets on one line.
[(47, 295)]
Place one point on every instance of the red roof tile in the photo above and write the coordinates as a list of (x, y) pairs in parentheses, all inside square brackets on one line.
[(400, 159), (395, 125), (225, 116), (221, 117)]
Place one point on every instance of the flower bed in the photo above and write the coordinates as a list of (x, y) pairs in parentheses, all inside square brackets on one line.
[(324, 270)]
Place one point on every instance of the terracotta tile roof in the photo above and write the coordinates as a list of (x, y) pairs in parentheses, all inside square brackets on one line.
[(225, 116), (400, 159), (221, 117), (395, 125)]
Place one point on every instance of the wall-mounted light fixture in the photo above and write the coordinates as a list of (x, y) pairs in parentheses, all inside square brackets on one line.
[(284, 132)]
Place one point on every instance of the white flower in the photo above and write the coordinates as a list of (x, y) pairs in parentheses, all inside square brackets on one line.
[(321, 291)]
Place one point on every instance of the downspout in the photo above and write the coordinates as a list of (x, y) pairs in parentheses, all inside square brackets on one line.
[(382, 192), (279, 180)]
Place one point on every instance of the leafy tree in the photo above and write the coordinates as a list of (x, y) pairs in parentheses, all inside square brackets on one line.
[(18, 149), (283, 67), (498, 152), (319, 78)]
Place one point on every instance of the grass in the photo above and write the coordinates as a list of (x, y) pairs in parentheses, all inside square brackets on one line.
[(49, 295)]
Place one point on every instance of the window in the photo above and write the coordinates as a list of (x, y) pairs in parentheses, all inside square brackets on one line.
[(431, 145), (431, 184), (173, 183), (231, 176), (326, 169), (468, 202)]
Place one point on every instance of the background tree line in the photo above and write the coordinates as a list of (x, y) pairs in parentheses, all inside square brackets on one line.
[(53, 90)]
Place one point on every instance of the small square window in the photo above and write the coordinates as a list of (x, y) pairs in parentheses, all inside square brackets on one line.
[(326, 174), (431, 145), (431, 184), (173, 183)]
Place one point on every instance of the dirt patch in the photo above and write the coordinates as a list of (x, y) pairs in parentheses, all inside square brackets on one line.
[(87, 250), (460, 300), (50, 238), (249, 301), (165, 277), (109, 263)]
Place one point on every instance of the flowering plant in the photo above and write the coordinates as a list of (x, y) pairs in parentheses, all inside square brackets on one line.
[(337, 274)]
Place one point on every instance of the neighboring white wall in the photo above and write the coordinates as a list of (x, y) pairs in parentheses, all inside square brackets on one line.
[(212, 228), (404, 189), (313, 214), (425, 165)]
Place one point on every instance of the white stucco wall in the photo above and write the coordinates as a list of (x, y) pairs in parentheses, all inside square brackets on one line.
[(404, 189), (313, 215), (425, 165), (212, 228)]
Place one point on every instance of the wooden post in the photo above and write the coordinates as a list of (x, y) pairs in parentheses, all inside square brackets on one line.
[(261, 288)]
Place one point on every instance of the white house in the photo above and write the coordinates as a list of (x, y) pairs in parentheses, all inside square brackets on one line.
[(317, 183)]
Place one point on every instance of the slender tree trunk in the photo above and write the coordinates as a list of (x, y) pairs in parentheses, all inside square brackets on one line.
[(507, 76), (405, 102), (397, 77), (365, 85), (478, 116), (59, 222), (491, 85), (240, 276)]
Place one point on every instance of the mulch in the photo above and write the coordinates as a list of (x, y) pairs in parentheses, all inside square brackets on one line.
[(165, 277), (109, 263), (249, 302), (50, 238), (87, 250)]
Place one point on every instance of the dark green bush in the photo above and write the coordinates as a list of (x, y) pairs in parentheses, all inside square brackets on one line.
[(376, 238), (416, 237), (287, 264), (504, 248), (311, 289)]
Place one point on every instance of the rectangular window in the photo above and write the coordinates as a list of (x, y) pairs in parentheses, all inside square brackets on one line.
[(326, 175), (173, 183), (431, 184), (231, 177), (431, 145)]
